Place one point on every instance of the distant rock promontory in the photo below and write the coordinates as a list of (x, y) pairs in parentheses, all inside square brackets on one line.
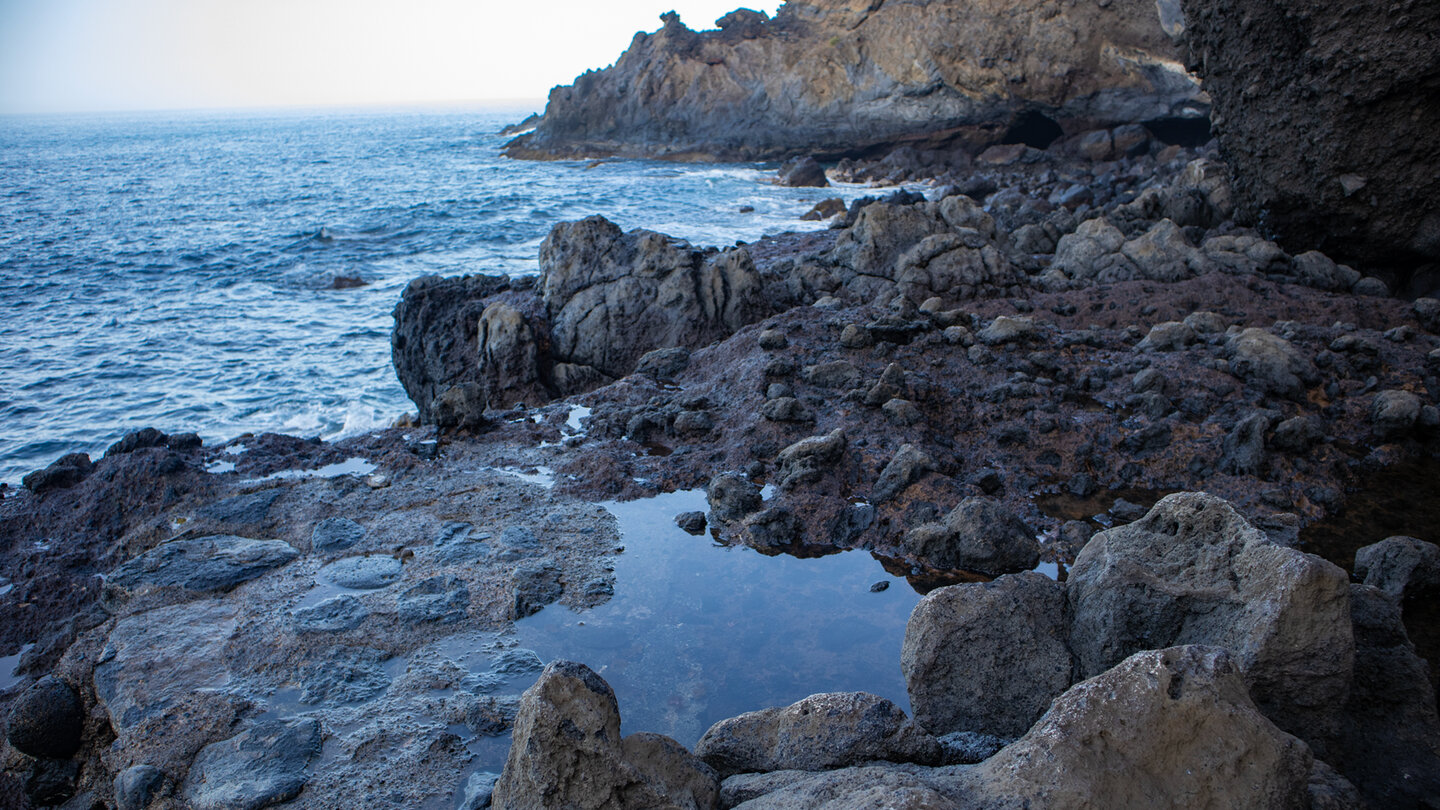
[(837, 78)]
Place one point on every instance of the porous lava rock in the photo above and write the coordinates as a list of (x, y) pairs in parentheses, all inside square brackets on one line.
[(1353, 88)]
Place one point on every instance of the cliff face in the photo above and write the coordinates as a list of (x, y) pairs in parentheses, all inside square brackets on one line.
[(1328, 113), (847, 77)]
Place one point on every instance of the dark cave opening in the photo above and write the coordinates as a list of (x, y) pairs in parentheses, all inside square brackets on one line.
[(1188, 132), (1032, 129)]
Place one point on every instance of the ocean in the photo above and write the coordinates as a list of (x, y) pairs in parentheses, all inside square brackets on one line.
[(179, 270)]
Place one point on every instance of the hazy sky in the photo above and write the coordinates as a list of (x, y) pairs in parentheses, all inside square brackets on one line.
[(74, 55)]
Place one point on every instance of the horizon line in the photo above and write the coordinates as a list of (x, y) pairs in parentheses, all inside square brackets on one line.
[(504, 101)]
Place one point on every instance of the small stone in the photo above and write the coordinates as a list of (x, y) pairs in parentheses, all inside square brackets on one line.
[(335, 534), (137, 786), (1005, 329), (773, 340), (664, 364), (1427, 311), (1297, 434), (691, 522), (881, 586), (731, 497), (855, 336)]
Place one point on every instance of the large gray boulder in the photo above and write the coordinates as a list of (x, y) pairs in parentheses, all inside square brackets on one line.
[(977, 535), (1193, 571), (987, 657), (612, 296), (821, 732), (203, 564), (259, 767), (567, 753), (1163, 728)]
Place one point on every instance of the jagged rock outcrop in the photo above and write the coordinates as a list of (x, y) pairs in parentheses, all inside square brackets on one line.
[(612, 296), (839, 77), (1353, 87), (604, 299)]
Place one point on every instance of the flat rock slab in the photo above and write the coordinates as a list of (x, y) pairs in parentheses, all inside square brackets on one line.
[(362, 573), (203, 564), (259, 767), (334, 534), (153, 660)]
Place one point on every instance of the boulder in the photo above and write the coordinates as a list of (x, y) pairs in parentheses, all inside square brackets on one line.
[(806, 461), (838, 78), (137, 786), (203, 564), (66, 472), (987, 657), (1389, 745), (567, 753), (1397, 564), (612, 296), (802, 173), (513, 357), (1193, 571), (732, 496), (259, 767), (821, 732), (1163, 728), (1393, 414), (1269, 363), (977, 535), (46, 720), (1347, 84)]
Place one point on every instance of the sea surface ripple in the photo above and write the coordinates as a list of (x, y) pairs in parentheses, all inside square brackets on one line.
[(179, 270)]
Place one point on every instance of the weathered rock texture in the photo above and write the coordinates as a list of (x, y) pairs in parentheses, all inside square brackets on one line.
[(987, 657), (1352, 88), (837, 77), (1167, 728), (1193, 571), (567, 753), (831, 730)]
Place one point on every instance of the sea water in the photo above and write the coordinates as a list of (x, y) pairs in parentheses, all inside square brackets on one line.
[(180, 270)]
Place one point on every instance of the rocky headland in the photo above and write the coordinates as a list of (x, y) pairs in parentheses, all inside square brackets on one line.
[(1161, 461)]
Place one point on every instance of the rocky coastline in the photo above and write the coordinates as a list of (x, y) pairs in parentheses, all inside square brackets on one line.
[(1079, 394)]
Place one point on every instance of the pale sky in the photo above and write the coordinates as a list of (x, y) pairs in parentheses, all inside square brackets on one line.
[(84, 55)]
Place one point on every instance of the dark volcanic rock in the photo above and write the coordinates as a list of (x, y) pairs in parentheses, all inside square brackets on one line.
[(613, 296), (833, 78), (203, 564), (978, 535), (67, 471), (803, 173), (47, 720), (1353, 86), (435, 343)]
